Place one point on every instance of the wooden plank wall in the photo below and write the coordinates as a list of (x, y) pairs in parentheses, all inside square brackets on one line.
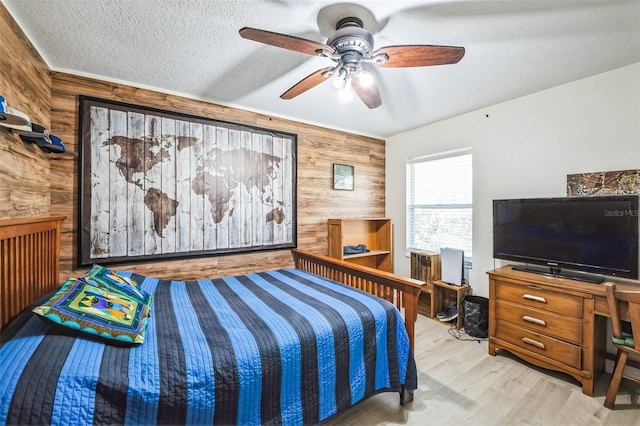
[(318, 149), (26, 85), (36, 184)]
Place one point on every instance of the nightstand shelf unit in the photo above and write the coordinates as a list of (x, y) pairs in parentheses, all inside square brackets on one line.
[(443, 294)]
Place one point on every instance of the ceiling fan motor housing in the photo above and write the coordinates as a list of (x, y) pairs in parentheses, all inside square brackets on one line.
[(350, 37)]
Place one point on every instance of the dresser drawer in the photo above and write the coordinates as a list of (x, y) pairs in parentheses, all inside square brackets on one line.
[(562, 327), (538, 298), (566, 353)]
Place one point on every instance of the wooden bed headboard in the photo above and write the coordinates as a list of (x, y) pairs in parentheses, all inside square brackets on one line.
[(29, 262)]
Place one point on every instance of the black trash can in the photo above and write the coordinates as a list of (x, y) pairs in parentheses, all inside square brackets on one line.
[(476, 316)]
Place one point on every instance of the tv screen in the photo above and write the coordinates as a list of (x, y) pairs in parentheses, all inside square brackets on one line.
[(590, 235)]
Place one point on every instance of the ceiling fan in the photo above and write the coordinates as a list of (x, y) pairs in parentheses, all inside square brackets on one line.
[(351, 48)]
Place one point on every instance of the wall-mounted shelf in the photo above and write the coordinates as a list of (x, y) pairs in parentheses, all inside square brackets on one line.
[(48, 143), (30, 132), (12, 118)]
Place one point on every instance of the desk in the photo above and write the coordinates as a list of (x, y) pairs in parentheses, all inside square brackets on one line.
[(551, 322)]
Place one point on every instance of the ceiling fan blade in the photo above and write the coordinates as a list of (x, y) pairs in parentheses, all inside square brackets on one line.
[(284, 41), (420, 55), (369, 93), (309, 82)]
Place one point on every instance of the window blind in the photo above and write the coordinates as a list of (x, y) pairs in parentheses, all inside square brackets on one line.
[(440, 202)]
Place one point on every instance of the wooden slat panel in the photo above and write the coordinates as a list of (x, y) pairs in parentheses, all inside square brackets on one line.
[(30, 254)]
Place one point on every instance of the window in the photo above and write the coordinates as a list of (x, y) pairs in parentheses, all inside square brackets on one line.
[(440, 202)]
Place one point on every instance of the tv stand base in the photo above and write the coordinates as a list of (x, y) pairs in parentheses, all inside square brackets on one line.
[(560, 273)]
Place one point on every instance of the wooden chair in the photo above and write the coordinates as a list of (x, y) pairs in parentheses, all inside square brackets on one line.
[(627, 344)]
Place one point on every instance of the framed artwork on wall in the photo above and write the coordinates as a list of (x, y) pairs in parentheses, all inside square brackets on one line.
[(343, 177), (158, 185), (617, 182)]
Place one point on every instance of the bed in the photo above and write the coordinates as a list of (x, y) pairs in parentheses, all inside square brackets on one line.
[(290, 346)]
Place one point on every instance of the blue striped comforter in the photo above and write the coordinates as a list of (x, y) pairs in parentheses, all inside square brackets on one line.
[(279, 347)]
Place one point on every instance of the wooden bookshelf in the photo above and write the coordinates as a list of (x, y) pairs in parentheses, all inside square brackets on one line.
[(374, 233)]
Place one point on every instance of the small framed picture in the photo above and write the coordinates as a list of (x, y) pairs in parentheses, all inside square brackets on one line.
[(343, 177)]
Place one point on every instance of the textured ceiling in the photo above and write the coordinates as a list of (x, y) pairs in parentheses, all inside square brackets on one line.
[(192, 48)]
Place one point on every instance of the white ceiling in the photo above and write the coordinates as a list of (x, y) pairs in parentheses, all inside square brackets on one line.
[(192, 48)]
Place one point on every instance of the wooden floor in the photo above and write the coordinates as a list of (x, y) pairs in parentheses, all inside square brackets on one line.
[(459, 383)]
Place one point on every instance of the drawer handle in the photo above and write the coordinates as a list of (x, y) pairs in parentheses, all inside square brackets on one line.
[(534, 320), (535, 298), (533, 343)]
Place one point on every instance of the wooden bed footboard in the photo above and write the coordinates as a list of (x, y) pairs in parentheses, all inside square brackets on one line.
[(30, 262), (403, 292)]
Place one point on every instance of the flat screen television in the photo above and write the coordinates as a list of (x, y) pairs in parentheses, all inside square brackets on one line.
[(574, 237)]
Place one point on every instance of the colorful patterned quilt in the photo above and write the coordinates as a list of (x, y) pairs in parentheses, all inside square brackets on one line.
[(279, 347)]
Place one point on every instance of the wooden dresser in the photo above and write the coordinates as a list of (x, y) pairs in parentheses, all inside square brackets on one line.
[(554, 323)]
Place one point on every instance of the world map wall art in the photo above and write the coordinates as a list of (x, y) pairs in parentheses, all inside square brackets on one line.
[(161, 185)]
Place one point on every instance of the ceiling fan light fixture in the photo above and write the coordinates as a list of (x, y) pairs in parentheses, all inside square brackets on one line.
[(365, 79), (345, 94), (340, 78), (338, 82)]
